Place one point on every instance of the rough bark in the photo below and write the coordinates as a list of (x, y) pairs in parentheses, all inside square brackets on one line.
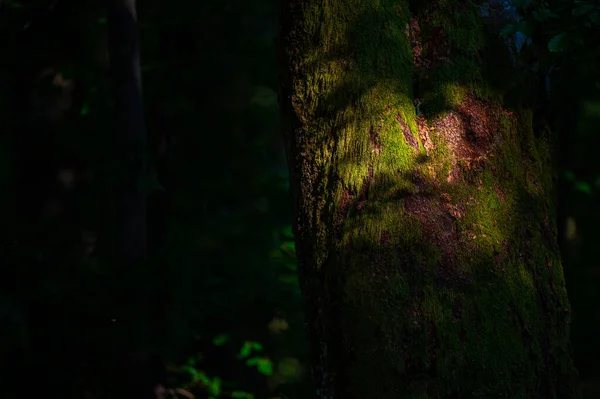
[(425, 215)]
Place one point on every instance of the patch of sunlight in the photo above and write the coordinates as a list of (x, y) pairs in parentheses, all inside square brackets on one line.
[(453, 93)]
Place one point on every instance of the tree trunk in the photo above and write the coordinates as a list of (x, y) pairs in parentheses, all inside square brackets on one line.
[(424, 204), (130, 128), (128, 251)]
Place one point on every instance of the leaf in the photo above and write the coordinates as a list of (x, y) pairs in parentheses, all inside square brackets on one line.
[(583, 187), (289, 367), (214, 386), (247, 349), (241, 395), (85, 109), (263, 365), (288, 232), (288, 247), (289, 278), (220, 339), (520, 40), (508, 30), (569, 175), (558, 43), (581, 10)]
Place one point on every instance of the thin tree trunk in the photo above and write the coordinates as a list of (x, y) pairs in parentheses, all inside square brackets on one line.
[(129, 251), (130, 127), (424, 204)]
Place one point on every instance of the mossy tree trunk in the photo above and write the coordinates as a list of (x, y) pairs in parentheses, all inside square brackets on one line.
[(424, 204)]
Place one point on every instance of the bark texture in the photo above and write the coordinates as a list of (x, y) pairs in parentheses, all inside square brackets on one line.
[(424, 202)]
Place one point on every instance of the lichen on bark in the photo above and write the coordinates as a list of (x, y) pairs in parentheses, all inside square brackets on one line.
[(424, 205)]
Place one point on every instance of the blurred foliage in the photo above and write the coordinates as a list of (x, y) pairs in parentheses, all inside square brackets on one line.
[(569, 29), (223, 266)]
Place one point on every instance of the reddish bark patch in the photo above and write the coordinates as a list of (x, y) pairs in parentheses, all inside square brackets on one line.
[(437, 225), (413, 34), (480, 121), (437, 47), (439, 228), (408, 135), (423, 128), (385, 238), (500, 194), (470, 133), (427, 54)]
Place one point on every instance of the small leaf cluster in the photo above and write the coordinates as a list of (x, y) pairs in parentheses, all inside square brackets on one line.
[(561, 30)]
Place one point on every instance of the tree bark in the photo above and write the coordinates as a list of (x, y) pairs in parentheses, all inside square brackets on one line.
[(130, 128), (128, 251), (425, 211)]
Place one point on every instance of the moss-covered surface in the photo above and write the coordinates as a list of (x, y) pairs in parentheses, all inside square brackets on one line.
[(425, 207)]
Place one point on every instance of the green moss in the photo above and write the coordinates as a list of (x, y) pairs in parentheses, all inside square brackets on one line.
[(425, 309)]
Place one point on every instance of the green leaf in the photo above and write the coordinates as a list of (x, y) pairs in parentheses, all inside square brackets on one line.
[(263, 365), (220, 339), (241, 395), (569, 175), (214, 386), (508, 30), (289, 367), (288, 247), (289, 278), (583, 187), (85, 109), (558, 43), (288, 232), (247, 349)]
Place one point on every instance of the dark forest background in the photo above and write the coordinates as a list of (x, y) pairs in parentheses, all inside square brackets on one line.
[(226, 310)]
